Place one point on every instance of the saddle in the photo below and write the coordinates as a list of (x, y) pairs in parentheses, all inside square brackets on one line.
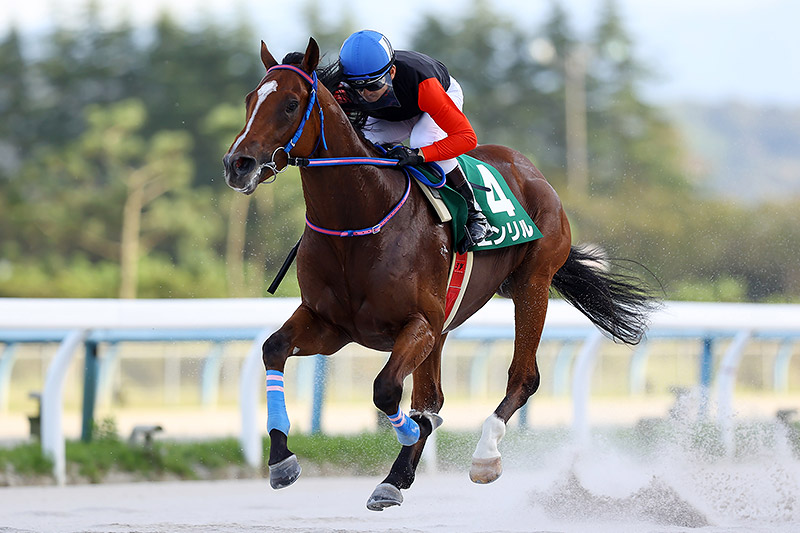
[(510, 222)]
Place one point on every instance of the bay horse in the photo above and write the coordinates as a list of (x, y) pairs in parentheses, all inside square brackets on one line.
[(384, 287)]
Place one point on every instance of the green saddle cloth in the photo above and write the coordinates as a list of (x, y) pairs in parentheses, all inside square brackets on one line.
[(511, 223)]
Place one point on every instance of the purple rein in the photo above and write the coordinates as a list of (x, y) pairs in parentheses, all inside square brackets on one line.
[(366, 231)]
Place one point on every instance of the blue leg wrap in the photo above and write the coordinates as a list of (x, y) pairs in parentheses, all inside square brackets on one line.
[(407, 430), (276, 403)]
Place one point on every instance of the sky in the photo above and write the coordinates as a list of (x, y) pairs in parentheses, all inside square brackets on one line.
[(707, 51)]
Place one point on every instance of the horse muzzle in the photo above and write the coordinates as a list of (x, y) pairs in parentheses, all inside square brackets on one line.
[(242, 172)]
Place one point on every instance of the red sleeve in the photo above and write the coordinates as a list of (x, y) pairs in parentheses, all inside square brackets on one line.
[(460, 138)]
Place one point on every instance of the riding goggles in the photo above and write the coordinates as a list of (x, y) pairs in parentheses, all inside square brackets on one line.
[(372, 85), (387, 99)]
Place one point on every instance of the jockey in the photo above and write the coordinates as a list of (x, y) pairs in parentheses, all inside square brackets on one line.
[(408, 95)]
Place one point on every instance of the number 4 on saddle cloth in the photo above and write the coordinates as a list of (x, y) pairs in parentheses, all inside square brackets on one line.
[(510, 222)]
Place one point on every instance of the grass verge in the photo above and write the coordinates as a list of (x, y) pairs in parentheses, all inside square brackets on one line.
[(109, 458)]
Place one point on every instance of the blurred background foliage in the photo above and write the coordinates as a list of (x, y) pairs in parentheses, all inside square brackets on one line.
[(111, 142)]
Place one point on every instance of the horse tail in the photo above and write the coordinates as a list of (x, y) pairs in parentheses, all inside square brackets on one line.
[(619, 304)]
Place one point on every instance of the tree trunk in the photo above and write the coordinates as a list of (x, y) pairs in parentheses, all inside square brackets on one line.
[(129, 243), (575, 102)]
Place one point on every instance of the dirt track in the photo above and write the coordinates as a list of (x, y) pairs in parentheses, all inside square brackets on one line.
[(577, 495)]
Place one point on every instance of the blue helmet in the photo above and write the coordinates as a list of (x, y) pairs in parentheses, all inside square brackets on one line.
[(366, 55)]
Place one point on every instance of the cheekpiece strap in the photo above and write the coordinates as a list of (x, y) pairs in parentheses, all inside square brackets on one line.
[(313, 81)]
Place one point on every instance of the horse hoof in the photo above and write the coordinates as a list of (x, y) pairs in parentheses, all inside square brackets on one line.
[(385, 495), (285, 473), (433, 418), (485, 470)]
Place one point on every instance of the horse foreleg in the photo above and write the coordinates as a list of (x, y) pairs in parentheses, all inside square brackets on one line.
[(530, 307), (303, 334), (426, 401), (411, 347)]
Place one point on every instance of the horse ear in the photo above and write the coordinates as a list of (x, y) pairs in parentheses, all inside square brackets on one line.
[(266, 57), (311, 59)]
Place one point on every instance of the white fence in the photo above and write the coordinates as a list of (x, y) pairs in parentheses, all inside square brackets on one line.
[(82, 322)]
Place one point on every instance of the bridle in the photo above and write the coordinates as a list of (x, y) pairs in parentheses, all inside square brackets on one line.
[(308, 162), (312, 80)]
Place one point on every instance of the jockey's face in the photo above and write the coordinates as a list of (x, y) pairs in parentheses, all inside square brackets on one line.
[(372, 96), (375, 95)]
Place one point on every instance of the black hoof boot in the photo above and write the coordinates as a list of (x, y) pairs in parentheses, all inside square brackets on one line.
[(385, 495), (428, 421), (283, 474)]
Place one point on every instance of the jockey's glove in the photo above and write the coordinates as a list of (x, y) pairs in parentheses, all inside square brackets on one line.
[(405, 156), (342, 96)]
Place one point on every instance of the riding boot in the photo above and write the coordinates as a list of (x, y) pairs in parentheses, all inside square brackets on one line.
[(478, 228)]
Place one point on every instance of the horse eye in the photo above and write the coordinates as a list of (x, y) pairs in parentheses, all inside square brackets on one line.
[(292, 106)]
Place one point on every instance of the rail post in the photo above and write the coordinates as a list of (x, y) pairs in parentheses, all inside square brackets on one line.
[(90, 373), (320, 379), (582, 384), (209, 382), (726, 382), (52, 399), (249, 394), (7, 358), (706, 370)]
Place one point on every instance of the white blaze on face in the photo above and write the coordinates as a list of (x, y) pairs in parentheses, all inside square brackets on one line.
[(263, 91)]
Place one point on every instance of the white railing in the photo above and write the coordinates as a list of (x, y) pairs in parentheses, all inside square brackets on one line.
[(79, 321)]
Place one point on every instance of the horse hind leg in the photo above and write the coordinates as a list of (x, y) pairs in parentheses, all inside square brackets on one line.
[(530, 307), (426, 401)]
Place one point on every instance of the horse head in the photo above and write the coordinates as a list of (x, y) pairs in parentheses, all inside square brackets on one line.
[(277, 112)]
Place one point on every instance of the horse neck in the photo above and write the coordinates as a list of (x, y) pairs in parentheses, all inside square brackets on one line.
[(349, 196)]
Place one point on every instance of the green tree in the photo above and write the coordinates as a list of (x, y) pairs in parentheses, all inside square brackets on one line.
[(631, 143), (479, 51), (260, 228), (329, 36), (558, 32), (192, 71), (513, 79), (14, 88), (113, 178), (102, 131), (13, 106), (80, 67)]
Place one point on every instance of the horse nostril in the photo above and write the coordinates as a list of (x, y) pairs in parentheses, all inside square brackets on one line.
[(243, 165)]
